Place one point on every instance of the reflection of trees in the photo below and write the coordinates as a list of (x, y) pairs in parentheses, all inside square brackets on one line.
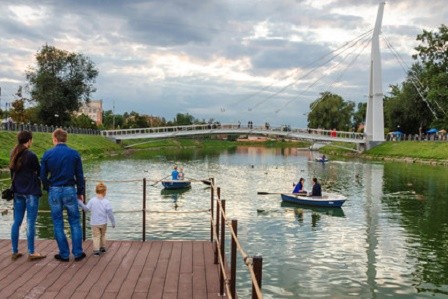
[(44, 223), (418, 193)]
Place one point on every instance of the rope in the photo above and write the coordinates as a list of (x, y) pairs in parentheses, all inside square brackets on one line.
[(135, 211), (247, 260)]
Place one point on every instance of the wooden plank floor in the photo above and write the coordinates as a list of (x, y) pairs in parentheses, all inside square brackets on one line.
[(129, 269)]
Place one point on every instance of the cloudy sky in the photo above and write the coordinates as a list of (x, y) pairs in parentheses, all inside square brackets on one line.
[(227, 60)]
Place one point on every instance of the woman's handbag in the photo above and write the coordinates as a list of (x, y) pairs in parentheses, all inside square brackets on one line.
[(8, 194)]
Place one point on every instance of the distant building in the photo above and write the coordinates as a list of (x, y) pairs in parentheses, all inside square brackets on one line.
[(94, 110)]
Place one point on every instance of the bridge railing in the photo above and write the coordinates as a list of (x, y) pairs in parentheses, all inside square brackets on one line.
[(235, 128)]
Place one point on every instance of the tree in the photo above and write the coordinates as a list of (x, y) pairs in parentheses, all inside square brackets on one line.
[(183, 119), (330, 111), (83, 121), (405, 109), (359, 116), (18, 111), (60, 83), (433, 53)]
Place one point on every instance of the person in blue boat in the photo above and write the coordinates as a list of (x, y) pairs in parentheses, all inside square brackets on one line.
[(180, 175), (317, 189), (175, 173), (299, 186)]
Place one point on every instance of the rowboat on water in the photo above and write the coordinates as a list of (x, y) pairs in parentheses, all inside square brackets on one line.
[(331, 200), (176, 184), (321, 160)]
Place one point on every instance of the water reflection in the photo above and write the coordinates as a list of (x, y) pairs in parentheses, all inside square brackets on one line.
[(388, 240)]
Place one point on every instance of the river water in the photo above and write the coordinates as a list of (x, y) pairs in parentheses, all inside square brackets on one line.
[(390, 239)]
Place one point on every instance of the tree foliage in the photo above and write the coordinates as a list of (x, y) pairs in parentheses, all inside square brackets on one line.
[(330, 111), (433, 54), (405, 109), (59, 83)]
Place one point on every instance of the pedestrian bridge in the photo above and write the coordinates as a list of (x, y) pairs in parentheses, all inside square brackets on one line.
[(316, 135)]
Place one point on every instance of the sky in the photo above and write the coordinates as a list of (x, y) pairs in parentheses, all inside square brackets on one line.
[(222, 60)]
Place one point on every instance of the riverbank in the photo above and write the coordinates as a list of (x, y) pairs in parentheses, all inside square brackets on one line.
[(89, 146), (425, 152), (97, 147)]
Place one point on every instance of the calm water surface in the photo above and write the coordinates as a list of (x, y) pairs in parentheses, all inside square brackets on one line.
[(390, 239)]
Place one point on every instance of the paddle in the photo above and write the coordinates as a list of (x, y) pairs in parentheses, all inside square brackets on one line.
[(160, 180), (207, 182), (268, 193)]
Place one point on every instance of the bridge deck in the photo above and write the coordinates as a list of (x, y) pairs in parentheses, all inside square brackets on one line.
[(129, 269)]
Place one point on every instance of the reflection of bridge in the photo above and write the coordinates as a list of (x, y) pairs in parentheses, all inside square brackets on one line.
[(196, 130)]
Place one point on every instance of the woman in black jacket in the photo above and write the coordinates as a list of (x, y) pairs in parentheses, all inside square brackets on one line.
[(24, 166)]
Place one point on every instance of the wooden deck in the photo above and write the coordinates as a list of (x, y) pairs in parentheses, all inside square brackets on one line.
[(129, 269)]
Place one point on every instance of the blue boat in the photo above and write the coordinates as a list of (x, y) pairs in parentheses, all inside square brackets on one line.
[(329, 200), (176, 184)]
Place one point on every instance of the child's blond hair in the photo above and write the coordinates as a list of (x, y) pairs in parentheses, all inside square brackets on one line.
[(101, 189)]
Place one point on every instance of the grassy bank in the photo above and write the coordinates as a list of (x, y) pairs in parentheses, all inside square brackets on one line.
[(95, 146), (89, 146), (409, 151), (425, 150)]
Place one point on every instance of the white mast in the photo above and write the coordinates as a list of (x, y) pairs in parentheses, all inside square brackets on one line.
[(374, 127)]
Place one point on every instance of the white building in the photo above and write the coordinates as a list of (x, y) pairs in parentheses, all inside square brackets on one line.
[(94, 110)]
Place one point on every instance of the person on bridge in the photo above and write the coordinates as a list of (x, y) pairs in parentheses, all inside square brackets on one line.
[(317, 189), (299, 186), (175, 173)]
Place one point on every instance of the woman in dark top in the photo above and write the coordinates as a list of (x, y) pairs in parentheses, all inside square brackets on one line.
[(25, 168)]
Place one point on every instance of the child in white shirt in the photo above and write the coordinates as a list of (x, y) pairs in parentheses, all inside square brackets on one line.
[(101, 210)]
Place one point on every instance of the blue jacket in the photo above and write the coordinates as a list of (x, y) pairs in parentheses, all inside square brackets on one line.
[(26, 180), (64, 166), (298, 188)]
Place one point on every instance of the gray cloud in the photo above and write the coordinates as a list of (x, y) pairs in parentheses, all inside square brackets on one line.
[(230, 61)]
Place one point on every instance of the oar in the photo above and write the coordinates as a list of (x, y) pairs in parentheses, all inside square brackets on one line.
[(160, 180), (268, 193), (207, 182)]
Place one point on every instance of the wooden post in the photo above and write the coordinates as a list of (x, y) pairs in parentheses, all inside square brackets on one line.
[(218, 218), (222, 240), (212, 195), (233, 260), (144, 210), (258, 267), (84, 236)]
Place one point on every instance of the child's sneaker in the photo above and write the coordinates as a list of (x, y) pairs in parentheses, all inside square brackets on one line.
[(103, 249)]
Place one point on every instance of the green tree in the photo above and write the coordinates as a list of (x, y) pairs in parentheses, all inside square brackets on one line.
[(433, 53), (134, 120), (18, 111), (330, 111), (359, 116), (83, 121), (60, 83), (405, 109), (183, 119)]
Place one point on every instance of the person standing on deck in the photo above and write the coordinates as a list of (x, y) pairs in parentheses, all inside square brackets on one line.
[(24, 166), (101, 210), (64, 166)]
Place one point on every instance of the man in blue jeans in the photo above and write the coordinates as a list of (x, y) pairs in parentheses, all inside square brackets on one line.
[(64, 166)]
